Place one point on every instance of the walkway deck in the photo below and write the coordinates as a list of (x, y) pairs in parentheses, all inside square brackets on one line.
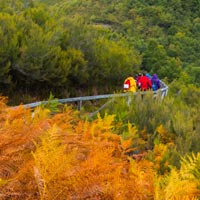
[(79, 100)]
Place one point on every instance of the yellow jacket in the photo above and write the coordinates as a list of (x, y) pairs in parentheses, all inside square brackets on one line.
[(130, 84)]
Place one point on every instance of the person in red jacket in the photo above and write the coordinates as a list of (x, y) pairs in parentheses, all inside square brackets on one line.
[(144, 83)]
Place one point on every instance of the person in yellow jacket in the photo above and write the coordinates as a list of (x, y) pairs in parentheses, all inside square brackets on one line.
[(130, 84)]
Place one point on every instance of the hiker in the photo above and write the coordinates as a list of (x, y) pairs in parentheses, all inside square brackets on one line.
[(144, 83), (130, 84), (155, 82), (137, 80), (148, 76)]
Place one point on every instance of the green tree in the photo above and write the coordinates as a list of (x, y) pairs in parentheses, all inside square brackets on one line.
[(154, 56), (8, 47), (39, 61), (114, 60)]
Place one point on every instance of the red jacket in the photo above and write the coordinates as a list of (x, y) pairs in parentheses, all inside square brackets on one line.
[(144, 83)]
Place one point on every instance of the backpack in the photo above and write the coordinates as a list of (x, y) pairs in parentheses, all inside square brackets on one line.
[(154, 87), (127, 84)]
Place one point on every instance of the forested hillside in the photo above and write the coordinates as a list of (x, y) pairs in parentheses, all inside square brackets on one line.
[(142, 147), (75, 47)]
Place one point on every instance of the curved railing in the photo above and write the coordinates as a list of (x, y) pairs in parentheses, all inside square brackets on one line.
[(163, 90)]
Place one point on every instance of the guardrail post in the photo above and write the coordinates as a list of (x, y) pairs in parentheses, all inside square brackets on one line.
[(162, 94), (79, 105)]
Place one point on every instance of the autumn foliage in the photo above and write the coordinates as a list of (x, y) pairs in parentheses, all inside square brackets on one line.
[(61, 156)]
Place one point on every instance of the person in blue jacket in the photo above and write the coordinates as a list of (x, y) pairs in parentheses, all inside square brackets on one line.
[(148, 76), (155, 82)]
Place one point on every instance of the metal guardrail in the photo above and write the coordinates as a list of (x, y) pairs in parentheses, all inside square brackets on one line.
[(79, 100)]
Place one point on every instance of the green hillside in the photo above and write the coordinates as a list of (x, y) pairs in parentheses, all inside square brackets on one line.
[(141, 146), (73, 47)]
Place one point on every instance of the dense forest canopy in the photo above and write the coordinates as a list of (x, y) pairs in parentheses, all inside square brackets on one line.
[(78, 46), (145, 149)]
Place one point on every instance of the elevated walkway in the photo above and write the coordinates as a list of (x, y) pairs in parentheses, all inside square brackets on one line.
[(163, 91)]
